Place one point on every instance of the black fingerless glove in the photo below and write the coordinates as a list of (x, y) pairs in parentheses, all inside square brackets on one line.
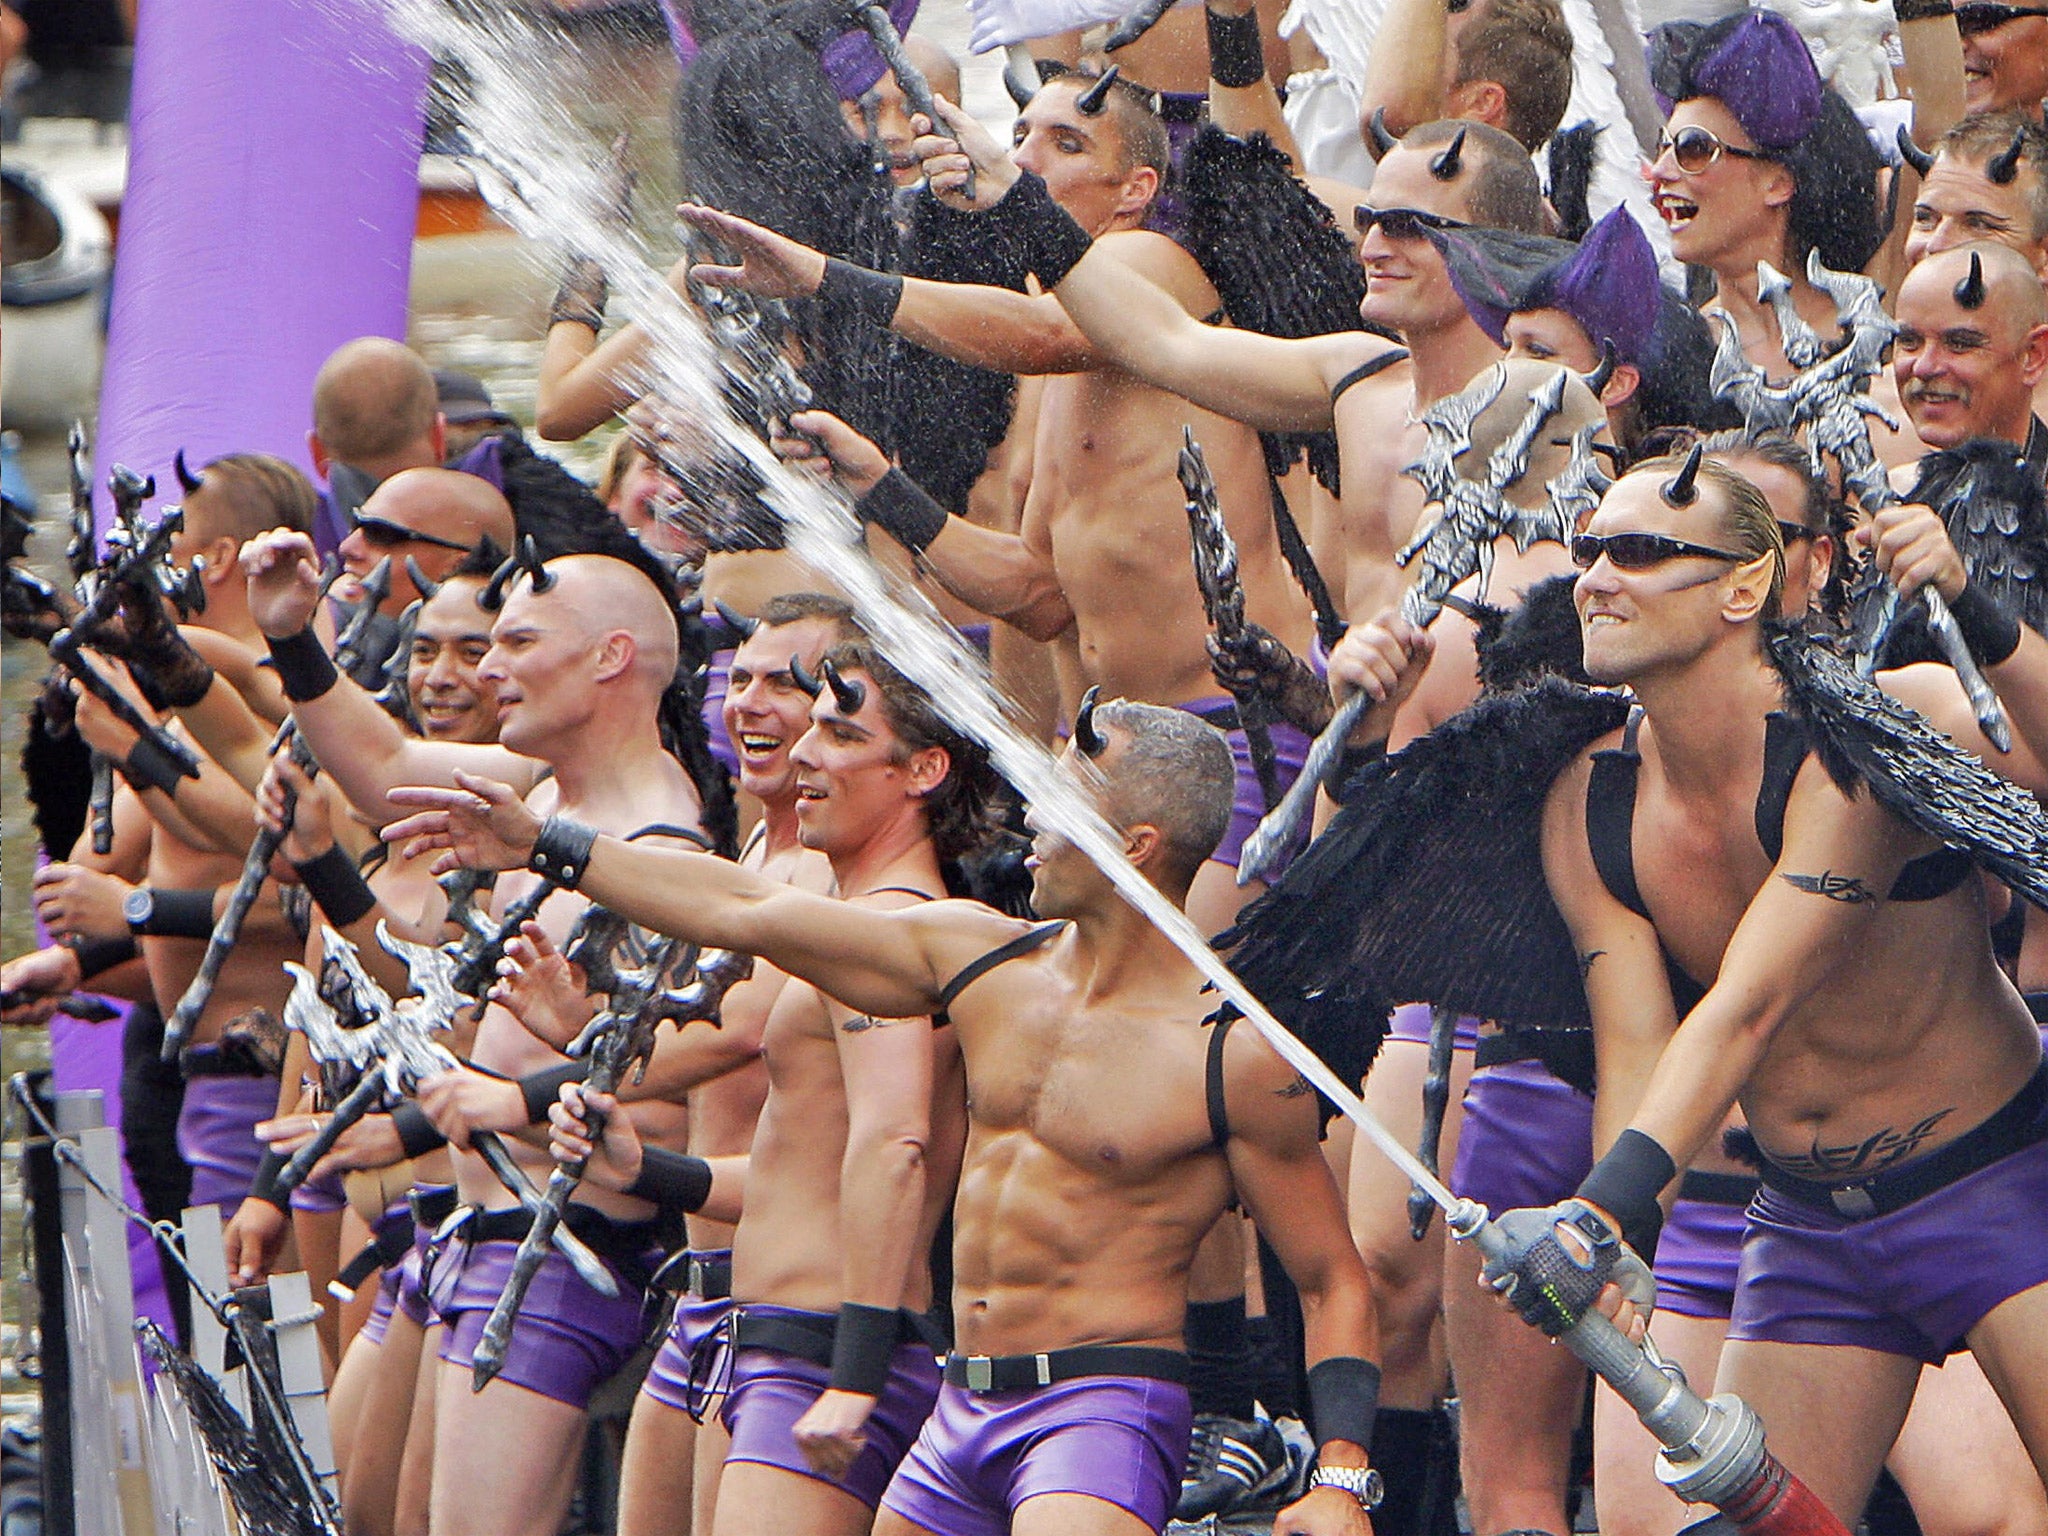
[(1043, 232), (580, 299)]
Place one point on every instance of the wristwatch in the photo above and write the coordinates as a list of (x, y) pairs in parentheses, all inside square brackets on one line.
[(137, 908), (1362, 1483)]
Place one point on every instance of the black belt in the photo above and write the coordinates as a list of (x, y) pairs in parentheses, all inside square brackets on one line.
[(623, 1243), (1736, 1189), (384, 1249), (2018, 1124), (431, 1205), (808, 1335), (1021, 1373), (708, 1277), (1567, 1054)]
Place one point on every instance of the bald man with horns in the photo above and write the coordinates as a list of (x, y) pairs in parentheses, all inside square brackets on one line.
[(581, 654)]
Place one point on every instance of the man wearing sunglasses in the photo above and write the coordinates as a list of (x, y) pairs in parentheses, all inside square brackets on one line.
[(432, 517), (2005, 56), (1832, 971)]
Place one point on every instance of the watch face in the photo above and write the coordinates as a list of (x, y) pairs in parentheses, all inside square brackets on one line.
[(136, 907)]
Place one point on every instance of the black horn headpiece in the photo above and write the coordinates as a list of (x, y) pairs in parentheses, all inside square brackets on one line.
[(846, 693), (1086, 737), (1682, 490), (1446, 166)]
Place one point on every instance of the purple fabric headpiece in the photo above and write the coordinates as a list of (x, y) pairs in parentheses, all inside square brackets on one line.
[(1761, 70), (1609, 285), (1494, 270), (850, 61)]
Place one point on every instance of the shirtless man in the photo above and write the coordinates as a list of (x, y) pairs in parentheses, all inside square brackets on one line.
[(580, 667), (1108, 1130), (1847, 996), (1102, 551), (1352, 381), (431, 516)]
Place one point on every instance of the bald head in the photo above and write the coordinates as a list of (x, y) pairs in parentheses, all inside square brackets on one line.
[(611, 597), (1969, 353), (433, 517), (375, 406), (2012, 288)]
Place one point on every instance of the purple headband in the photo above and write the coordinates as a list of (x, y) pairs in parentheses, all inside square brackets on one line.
[(1762, 71), (1609, 285)]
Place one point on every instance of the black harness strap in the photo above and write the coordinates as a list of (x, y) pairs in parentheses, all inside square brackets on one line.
[(974, 970), (1784, 752), (1610, 816), (1365, 371), (663, 829), (1212, 1084)]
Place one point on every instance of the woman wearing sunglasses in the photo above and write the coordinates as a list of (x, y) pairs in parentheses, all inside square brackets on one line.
[(1760, 163)]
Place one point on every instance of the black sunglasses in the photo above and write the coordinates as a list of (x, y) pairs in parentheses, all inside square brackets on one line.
[(1402, 223), (1640, 551), (1983, 17), (381, 533), (1695, 148), (1792, 533)]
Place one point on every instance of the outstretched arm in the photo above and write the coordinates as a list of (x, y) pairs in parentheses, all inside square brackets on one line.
[(1267, 381), (1007, 576), (366, 751), (889, 964)]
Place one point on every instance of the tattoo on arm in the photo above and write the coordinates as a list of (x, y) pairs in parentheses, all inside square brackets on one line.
[(1586, 962), (1843, 888), (1875, 1151), (1300, 1088)]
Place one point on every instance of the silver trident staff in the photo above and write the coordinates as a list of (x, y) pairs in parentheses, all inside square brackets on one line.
[(1216, 573)]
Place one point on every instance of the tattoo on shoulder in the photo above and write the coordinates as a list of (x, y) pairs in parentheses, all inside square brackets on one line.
[(865, 1021), (1842, 888), (1300, 1088), (1586, 962)]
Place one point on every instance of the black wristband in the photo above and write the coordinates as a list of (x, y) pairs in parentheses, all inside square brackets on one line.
[(176, 914), (1988, 630), (264, 1186), (149, 766), (334, 881), (863, 1344), (303, 666), (96, 956), (1343, 1399), (1237, 55), (672, 1180), (904, 510), (850, 290), (1351, 762), (1625, 1184), (540, 1089), (1046, 236), (562, 851), (1922, 10), (416, 1133)]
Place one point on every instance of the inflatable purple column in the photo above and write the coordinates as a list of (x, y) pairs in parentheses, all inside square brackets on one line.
[(273, 176)]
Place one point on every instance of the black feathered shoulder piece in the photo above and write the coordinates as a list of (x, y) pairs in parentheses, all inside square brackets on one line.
[(1538, 638), (1863, 735), (1992, 501), (1428, 884), (1275, 256)]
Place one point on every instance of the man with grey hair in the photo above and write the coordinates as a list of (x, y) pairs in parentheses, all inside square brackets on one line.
[(1109, 1126)]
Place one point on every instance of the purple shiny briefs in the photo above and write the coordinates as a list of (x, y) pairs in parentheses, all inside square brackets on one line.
[(1248, 806), (398, 1285), (568, 1338), (1910, 1283), (1410, 1022), (1527, 1138), (321, 1194), (680, 1378), (771, 1390), (1120, 1439), (217, 1136), (1698, 1258), (714, 710)]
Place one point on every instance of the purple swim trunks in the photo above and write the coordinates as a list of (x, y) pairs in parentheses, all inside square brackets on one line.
[(1527, 1138), (1701, 1249), (770, 1390), (714, 710), (1249, 805), (1410, 1022), (568, 1339), (217, 1136), (320, 1194), (678, 1378), (1120, 1439), (1911, 1282)]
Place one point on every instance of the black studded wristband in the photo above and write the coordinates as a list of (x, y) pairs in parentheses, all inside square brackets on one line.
[(1988, 630), (303, 666), (338, 886), (1237, 56), (562, 851)]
